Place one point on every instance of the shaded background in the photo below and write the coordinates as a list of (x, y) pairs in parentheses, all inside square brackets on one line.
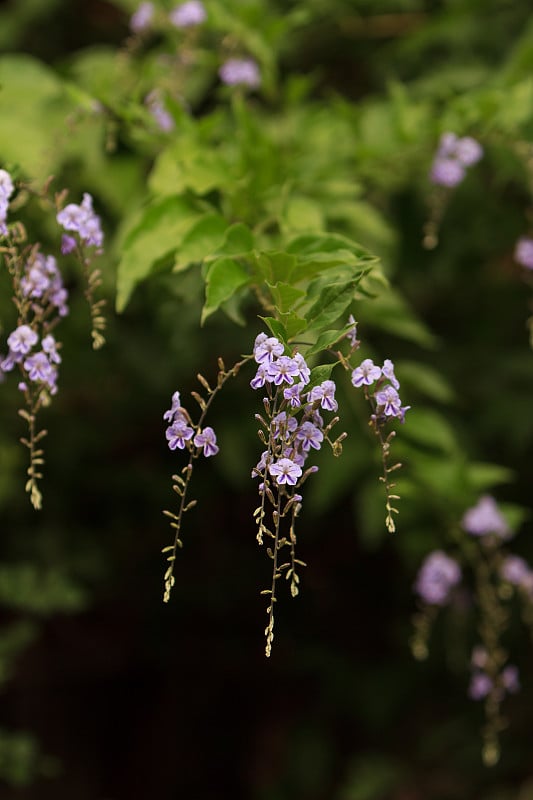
[(107, 693)]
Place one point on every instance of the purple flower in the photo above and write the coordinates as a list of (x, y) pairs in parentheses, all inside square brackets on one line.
[(292, 394), (68, 244), (188, 14), (240, 72), (142, 18), (523, 253), (22, 339), (511, 679), (485, 518), (326, 394), (285, 471), (479, 657), (310, 436), (40, 369), (388, 371), (163, 119), (516, 571), (82, 220), (6, 190), (266, 348), (352, 334), (366, 373), (389, 402), (49, 346), (480, 686), (179, 433), (452, 157), (283, 370), (208, 440), (175, 407), (436, 578), (283, 425), (447, 172), (258, 381), (468, 151), (303, 370)]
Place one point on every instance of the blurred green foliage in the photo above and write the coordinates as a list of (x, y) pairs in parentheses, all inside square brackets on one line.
[(327, 163)]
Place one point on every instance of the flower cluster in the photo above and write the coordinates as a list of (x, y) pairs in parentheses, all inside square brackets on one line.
[(485, 679), (6, 190), (240, 72), (436, 578), (81, 219), (498, 576), (185, 15), (295, 425), (453, 157), (386, 398), (180, 432), (523, 253), (485, 518)]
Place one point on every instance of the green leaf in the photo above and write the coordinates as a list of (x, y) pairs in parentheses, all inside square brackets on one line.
[(238, 241), (302, 214), (333, 300), (274, 267), (276, 328), (285, 296), (155, 234), (328, 339), (223, 279), (185, 166), (203, 238), (391, 312), (484, 476), (428, 428), (33, 110)]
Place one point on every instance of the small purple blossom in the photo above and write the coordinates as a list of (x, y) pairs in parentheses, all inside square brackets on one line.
[(292, 394), (260, 377), (325, 392), (283, 370), (303, 370), (309, 436), (511, 679), (6, 190), (285, 471), (266, 348), (437, 577), (523, 253), (480, 686), (82, 220), (163, 119), (188, 14), (49, 346), (68, 244), (516, 570), (22, 339), (208, 441), (142, 17), (453, 156), (175, 407), (388, 371), (352, 333), (366, 373), (485, 518), (179, 433), (283, 425), (389, 402), (40, 370), (240, 72)]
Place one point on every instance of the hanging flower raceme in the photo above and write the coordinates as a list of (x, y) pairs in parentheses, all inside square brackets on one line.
[(452, 159)]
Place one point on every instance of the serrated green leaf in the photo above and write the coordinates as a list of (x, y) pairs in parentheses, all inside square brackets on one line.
[(238, 241), (184, 166), (223, 279)]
